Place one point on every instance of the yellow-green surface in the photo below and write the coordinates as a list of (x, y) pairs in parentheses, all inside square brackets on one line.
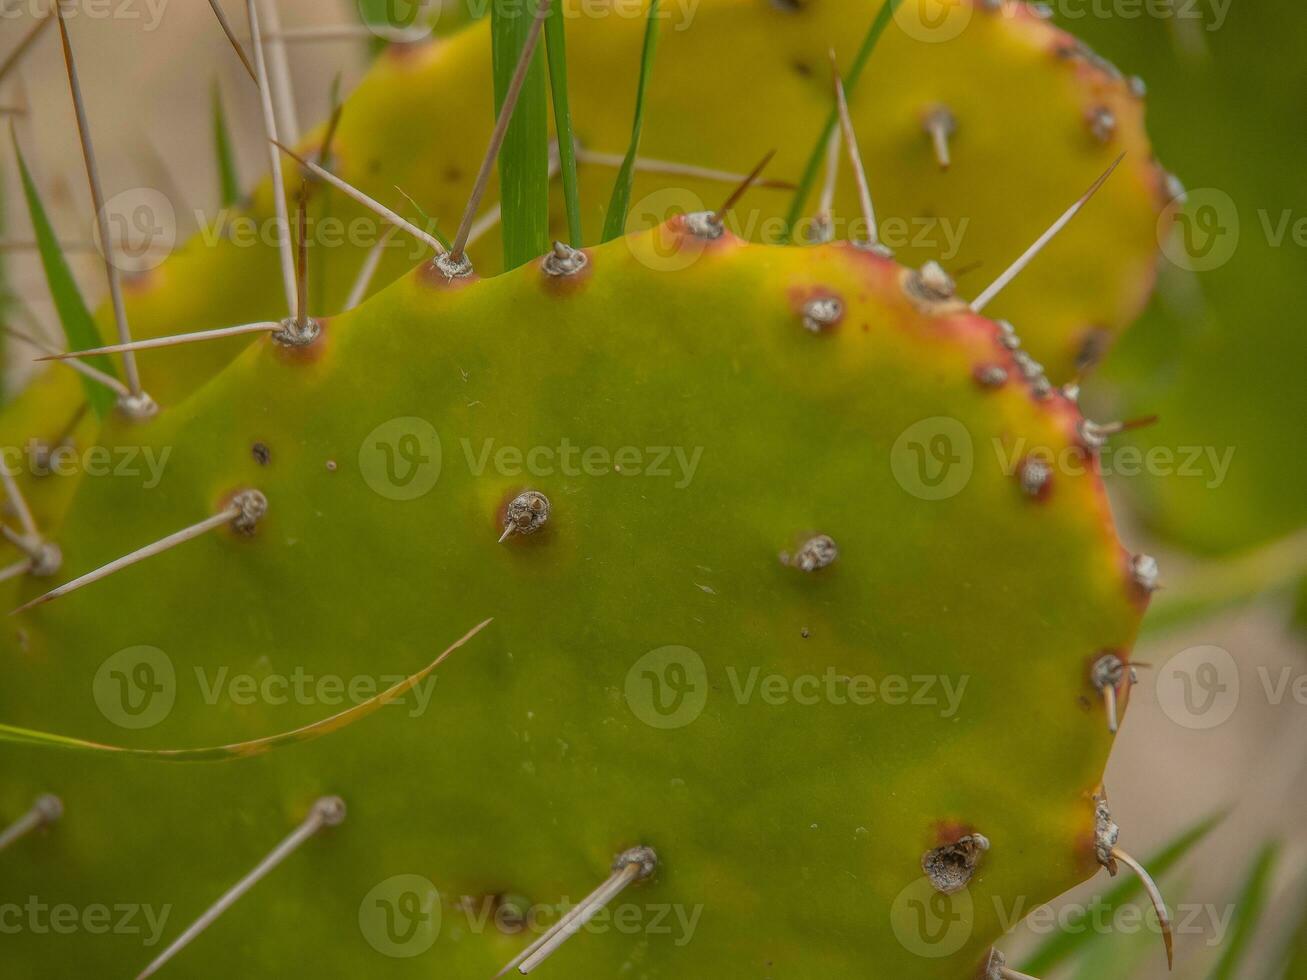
[(733, 79), (794, 827)]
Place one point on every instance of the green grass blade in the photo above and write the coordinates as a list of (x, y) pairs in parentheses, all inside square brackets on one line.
[(1247, 912), (229, 184), (615, 219), (1290, 959), (851, 78), (524, 157), (1110, 953), (556, 48), (1061, 946), (242, 750), (79, 328)]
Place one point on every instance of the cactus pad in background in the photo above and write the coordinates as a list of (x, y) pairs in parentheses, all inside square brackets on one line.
[(1048, 117)]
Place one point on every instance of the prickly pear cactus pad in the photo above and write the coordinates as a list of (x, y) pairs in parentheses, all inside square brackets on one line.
[(1034, 116), (784, 593)]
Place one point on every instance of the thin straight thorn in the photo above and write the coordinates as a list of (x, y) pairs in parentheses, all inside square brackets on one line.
[(97, 200), (25, 45), (1008, 974), (1155, 895), (16, 569), (46, 810), (283, 89), (1116, 428), (350, 32), (501, 128), (302, 266), (327, 812), (221, 519), (577, 917), (632, 865), (650, 165), (1015, 269), (941, 124), (373, 205), (855, 154), (1109, 700), (225, 24), (28, 245), (826, 204), (278, 191), (369, 269), (492, 217), (333, 124), (26, 543), (18, 503), (743, 188), (176, 340)]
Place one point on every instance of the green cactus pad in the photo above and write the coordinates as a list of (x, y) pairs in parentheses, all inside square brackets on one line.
[(1025, 96), (625, 693)]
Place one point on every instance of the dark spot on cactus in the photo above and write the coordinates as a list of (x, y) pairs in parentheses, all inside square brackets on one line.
[(1035, 477), (508, 911), (805, 633), (931, 289), (822, 313), (1102, 123), (565, 268), (452, 174), (262, 454), (432, 274), (789, 6), (374, 167), (1106, 834), (1107, 670), (802, 69), (950, 867), (300, 347), (524, 515), (702, 224), (817, 552), (1092, 347), (253, 507)]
